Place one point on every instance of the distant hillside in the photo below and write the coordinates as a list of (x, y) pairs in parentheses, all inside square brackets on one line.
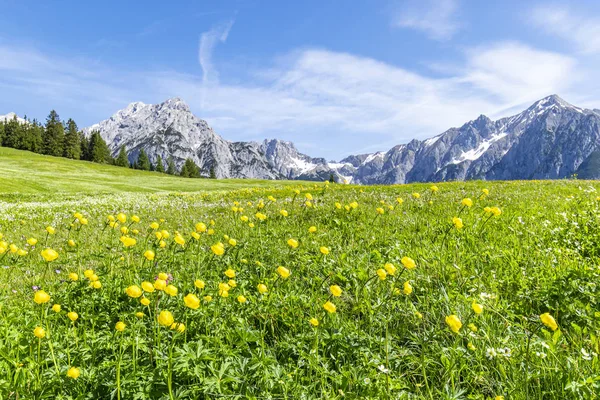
[(26, 172)]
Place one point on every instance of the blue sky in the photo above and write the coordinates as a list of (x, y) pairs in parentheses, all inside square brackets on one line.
[(335, 77)]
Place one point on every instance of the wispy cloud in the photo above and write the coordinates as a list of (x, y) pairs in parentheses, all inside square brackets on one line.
[(436, 18), (581, 30), (208, 41)]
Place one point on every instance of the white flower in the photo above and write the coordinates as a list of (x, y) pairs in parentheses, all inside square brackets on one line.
[(491, 353), (383, 369), (540, 354)]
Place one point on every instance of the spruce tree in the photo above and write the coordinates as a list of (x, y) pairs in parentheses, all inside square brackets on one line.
[(212, 173), (171, 170), (143, 162), (190, 169), (84, 144), (72, 148), (122, 160), (34, 136), (13, 134), (2, 124), (54, 136), (98, 150), (159, 164)]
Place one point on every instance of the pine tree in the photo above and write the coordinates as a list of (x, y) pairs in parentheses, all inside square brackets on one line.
[(72, 148), (34, 136), (171, 170), (2, 124), (122, 160), (13, 134), (159, 164), (98, 150), (212, 173), (190, 169), (143, 162), (54, 136)]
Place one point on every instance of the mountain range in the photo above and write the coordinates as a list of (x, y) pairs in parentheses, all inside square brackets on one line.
[(551, 139)]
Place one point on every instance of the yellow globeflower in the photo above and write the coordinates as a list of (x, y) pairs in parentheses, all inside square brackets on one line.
[(458, 223), (56, 308), (293, 243), (207, 299), (135, 218), (124, 230), (163, 275), (496, 211), (192, 301), (324, 250), (96, 284), (73, 373), (329, 307), (434, 188), (241, 299), (41, 297), (139, 314), (335, 290), (179, 240), (314, 322), (200, 227), (160, 284), (71, 243), (549, 321), (162, 244), (230, 273), (73, 316), (308, 196), (145, 301), (408, 263), (50, 230), (407, 288), (199, 284), (380, 210), (453, 323), (477, 308), (312, 229), (32, 241), (39, 332), (262, 288), (232, 242), (88, 272), (283, 272), (390, 268), (149, 254), (120, 326), (133, 291), (218, 249), (224, 287), (122, 218), (165, 318), (381, 274), (283, 213), (165, 234), (128, 241), (148, 287), (171, 290), (49, 255), (21, 252), (195, 235), (467, 202), (73, 276), (416, 195)]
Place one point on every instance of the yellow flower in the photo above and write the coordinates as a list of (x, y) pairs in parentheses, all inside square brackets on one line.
[(457, 222), (179, 326), (50, 230), (416, 195), (419, 315), (314, 322), (195, 235), (93, 277), (149, 254), (224, 287), (329, 307), (49, 255), (111, 218), (241, 299), (467, 202), (128, 241), (199, 284), (73, 276), (192, 301), (133, 291), (338, 205), (407, 288), (380, 210), (71, 243), (232, 283), (260, 216), (139, 314), (122, 218), (549, 321), (471, 346), (224, 293), (485, 191), (477, 308), (312, 229), (381, 274), (271, 198), (162, 244), (400, 200), (434, 188), (13, 248), (354, 205), (56, 308), (165, 318), (120, 326), (308, 196), (96, 284), (283, 213), (73, 373), (208, 298), (472, 327), (148, 287), (390, 268), (163, 275), (408, 263), (88, 272), (324, 250), (230, 273), (283, 272), (262, 288), (165, 234), (335, 290), (22, 252), (232, 242), (73, 316), (293, 243), (179, 240), (218, 249), (145, 301), (453, 323), (496, 211), (32, 241), (498, 397), (171, 290), (124, 230), (154, 225), (135, 218), (160, 284), (41, 297), (39, 332)]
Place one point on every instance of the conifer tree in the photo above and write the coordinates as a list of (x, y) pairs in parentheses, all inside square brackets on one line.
[(171, 170), (143, 162), (212, 173), (122, 160), (98, 150), (72, 147), (84, 144), (2, 124), (159, 164), (190, 169), (54, 136)]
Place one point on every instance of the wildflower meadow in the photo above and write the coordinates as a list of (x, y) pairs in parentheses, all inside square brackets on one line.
[(474, 290)]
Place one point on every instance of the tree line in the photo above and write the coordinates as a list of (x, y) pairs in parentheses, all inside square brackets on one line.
[(64, 139)]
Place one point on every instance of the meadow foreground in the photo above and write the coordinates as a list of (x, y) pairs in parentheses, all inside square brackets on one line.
[(473, 290)]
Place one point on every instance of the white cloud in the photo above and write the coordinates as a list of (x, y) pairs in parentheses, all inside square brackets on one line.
[(436, 18), (208, 41), (581, 30)]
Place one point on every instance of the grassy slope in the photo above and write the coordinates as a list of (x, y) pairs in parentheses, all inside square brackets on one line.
[(26, 172)]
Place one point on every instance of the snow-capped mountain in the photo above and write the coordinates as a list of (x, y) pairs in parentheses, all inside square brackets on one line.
[(550, 139), (10, 116)]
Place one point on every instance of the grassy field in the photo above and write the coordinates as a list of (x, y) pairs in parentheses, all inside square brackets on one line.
[(457, 291), (24, 172)]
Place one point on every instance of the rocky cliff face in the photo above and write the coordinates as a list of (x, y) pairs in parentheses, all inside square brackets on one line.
[(551, 139)]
